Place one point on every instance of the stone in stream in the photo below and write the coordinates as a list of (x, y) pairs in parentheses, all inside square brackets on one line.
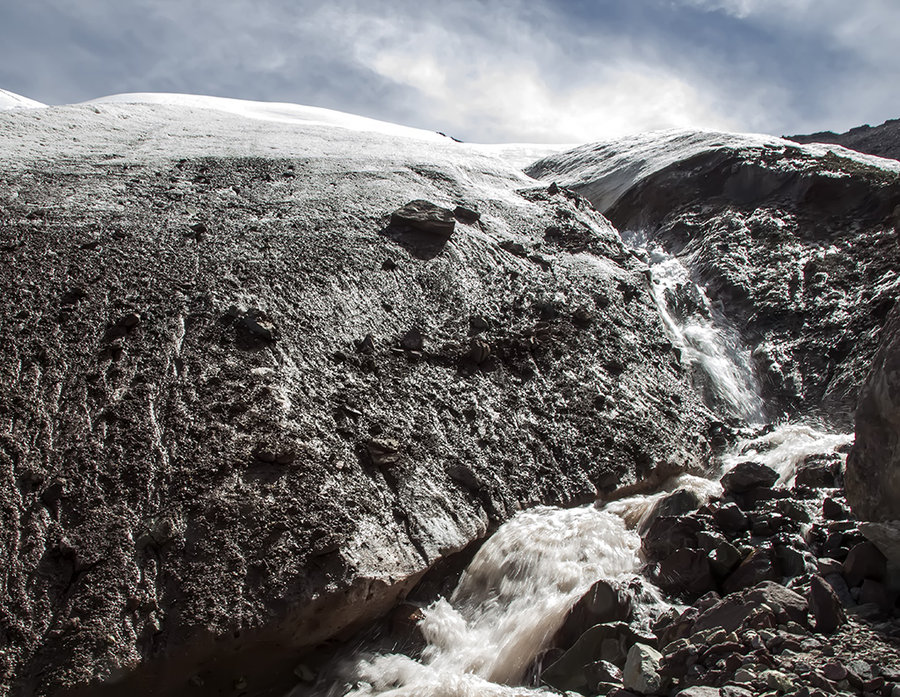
[(685, 572), (748, 475), (606, 601), (833, 509), (729, 517), (668, 534), (675, 504), (819, 472), (603, 642)]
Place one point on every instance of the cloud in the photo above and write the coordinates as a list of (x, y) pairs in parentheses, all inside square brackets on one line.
[(563, 70)]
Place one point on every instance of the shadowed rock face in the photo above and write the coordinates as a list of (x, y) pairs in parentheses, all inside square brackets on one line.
[(219, 446), (872, 480), (797, 247)]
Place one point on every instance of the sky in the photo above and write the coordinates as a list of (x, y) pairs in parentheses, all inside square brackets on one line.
[(563, 71)]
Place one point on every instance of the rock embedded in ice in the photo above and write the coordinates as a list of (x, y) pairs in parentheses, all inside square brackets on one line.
[(466, 215), (426, 217)]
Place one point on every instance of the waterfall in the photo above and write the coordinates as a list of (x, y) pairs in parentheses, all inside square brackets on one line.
[(707, 340)]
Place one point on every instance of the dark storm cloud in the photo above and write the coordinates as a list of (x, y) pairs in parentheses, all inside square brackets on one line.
[(484, 70)]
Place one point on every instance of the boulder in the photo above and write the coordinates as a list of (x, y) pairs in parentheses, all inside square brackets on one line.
[(864, 561), (606, 601), (668, 534), (729, 517), (604, 642), (426, 217), (685, 572), (773, 594), (748, 475), (672, 505), (760, 565), (824, 607), (641, 673)]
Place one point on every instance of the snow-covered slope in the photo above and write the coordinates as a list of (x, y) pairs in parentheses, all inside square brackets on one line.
[(272, 111), (604, 171), (11, 100)]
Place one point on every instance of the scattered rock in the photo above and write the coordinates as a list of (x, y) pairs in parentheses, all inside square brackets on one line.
[(606, 601), (641, 672), (675, 504), (383, 453), (366, 345), (412, 340), (255, 328)]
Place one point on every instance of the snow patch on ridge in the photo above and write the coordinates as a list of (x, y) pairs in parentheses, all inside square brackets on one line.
[(272, 111), (11, 100), (603, 172)]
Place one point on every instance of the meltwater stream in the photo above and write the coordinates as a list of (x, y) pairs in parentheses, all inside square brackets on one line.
[(708, 342), (513, 598), (516, 592)]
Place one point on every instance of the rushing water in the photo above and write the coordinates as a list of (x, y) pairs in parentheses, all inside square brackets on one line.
[(516, 592), (513, 598), (707, 340)]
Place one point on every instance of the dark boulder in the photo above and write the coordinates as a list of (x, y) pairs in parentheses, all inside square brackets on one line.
[(672, 505), (685, 572), (606, 601), (603, 642), (761, 565), (729, 517), (864, 561), (748, 475), (668, 534), (824, 607), (426, 217)]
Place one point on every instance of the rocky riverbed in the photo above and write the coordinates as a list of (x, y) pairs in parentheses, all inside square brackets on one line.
[(782, 595)]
